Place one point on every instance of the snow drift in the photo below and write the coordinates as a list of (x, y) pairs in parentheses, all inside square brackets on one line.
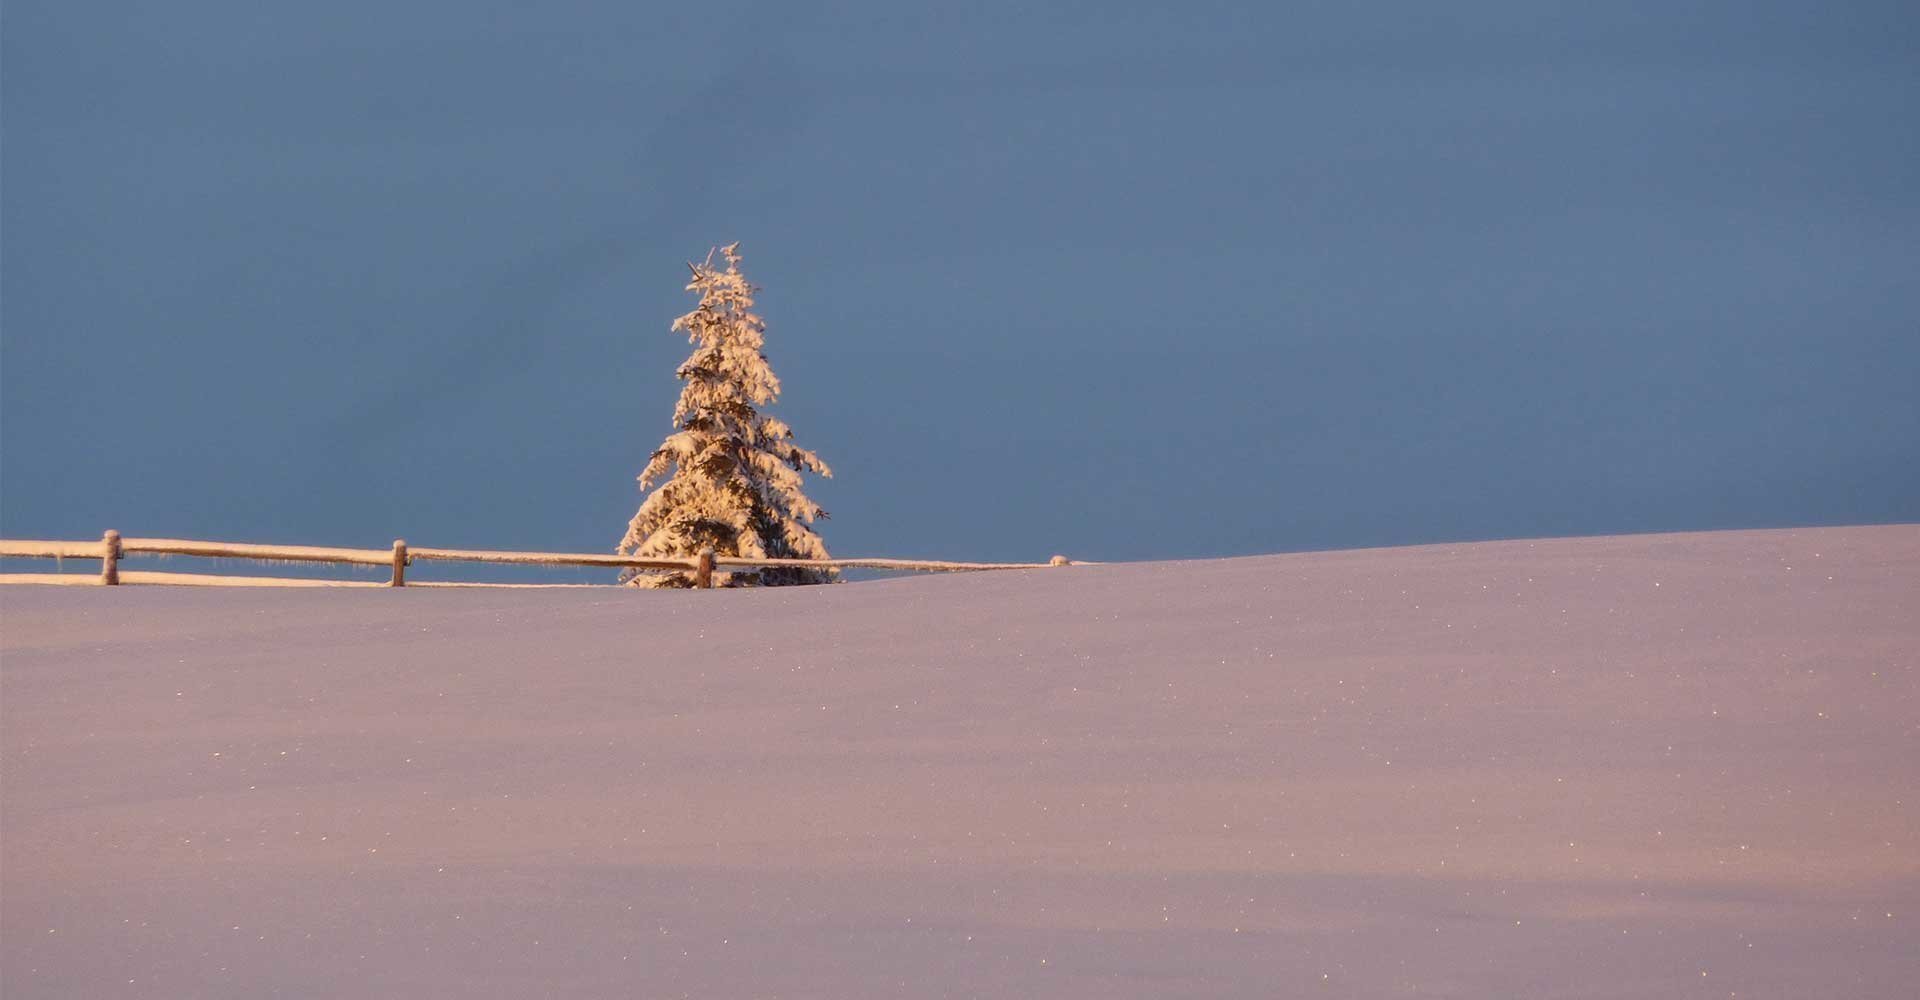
[(1678, 765)]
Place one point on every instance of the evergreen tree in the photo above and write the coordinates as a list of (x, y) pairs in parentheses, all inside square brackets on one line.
[(735, 482)]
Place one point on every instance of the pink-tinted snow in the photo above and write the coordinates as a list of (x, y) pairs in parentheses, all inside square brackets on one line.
[(1655, 766)]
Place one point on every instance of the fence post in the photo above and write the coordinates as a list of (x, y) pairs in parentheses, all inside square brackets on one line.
[(703, 570), (399, 563), (110, 561)]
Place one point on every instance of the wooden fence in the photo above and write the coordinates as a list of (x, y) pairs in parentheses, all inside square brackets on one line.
[(111, 548)]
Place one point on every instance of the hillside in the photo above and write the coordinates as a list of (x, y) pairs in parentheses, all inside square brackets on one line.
[(1676, 765)]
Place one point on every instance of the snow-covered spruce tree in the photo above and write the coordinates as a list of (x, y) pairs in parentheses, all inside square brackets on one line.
[(735, 472)]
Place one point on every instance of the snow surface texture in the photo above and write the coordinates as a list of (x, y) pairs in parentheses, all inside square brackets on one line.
[(735, 471), (1660, 766)]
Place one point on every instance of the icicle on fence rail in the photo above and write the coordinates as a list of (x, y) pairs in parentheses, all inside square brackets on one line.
[(111, 548)]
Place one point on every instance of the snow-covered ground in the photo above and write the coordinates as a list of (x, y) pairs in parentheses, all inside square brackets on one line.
[(1681, 765)]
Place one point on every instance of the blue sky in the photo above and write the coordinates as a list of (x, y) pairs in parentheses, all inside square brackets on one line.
[(1121, 281)]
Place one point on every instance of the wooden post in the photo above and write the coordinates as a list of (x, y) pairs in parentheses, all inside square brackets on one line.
[(399, 563), (110, 562), (703, 570)]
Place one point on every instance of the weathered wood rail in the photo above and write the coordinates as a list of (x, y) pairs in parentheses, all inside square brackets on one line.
[(112, 548)]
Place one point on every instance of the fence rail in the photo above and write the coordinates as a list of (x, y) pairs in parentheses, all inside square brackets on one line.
[(258, 553), (52, 550), (111, 548)]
